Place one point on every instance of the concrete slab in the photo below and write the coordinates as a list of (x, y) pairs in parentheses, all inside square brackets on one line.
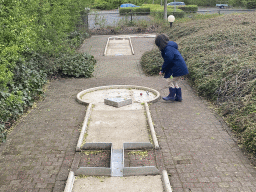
[(117, 127), (117, 184)]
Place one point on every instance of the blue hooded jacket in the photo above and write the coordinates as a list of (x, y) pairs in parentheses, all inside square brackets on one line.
[(174, 63)]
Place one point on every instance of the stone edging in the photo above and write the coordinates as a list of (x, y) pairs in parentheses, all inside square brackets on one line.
[(71, 180), (80, 94), (85, 123), (152, 129)]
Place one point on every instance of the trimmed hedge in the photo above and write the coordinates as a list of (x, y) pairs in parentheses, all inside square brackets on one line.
[(135, 10), (251, 5), (151, 62), (189, 8), (158, 11)]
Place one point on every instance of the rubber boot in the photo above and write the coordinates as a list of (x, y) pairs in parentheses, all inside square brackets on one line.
[(171, 96), (178, 94)]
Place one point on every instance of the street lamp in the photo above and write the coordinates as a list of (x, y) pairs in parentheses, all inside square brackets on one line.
[(171, 19)]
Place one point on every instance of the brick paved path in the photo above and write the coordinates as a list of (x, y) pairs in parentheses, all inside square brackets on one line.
[(196, 149)]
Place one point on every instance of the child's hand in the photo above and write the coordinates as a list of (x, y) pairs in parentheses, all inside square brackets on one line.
[(160, 73)]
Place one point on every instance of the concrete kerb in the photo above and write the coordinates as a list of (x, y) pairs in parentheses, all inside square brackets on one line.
[(70, 182), (152, 129), (80, 94), (166, 182), (86, 119)]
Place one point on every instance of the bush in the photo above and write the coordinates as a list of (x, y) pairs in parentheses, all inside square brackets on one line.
[(34, 35), (251, 5), (107, 4), (189, 8), (136, 10), (77, 65), (101, 5), (158, 11), (151, 62)]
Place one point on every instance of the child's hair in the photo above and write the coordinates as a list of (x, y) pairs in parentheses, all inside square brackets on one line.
[(161, 41)]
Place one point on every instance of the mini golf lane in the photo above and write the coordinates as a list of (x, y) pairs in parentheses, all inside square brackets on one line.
[(116, 129), (108, 124)]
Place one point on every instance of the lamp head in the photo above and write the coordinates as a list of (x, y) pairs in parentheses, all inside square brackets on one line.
[(171, 18)]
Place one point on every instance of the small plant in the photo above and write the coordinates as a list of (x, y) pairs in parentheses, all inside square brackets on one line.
[(99, 20), (77, 65), (151, 62)]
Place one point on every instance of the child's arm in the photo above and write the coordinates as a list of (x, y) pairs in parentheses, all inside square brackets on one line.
[(168, 57)]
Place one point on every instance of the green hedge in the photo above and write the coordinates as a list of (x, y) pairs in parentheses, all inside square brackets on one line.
[(189, 8), (251, 5), (158, 11), (135, 10), (151, 62), (34, 35)]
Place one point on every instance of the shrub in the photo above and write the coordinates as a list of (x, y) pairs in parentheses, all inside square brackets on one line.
[(158, 11), (251, 5), (136, 10), (77, 65), (33, 36), (189, 8), (101, 5), (107, 4), (151, 62)]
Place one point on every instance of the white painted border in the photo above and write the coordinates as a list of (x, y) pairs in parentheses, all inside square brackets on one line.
[(105, 52), (82, 93), (167, 185), (70, 182), (86, 119), (131, 45), (152, 129)]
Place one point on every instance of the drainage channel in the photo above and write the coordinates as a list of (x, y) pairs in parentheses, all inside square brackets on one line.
[(117, 118)]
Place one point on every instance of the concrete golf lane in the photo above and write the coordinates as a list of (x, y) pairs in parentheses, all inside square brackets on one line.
[(118, 47), (117, 184), (117, 126), (117, 129)]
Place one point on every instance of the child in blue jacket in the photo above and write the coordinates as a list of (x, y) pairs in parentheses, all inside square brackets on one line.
[(173, 67)]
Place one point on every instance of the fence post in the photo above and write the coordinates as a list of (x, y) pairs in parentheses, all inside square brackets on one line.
[(131, 16), (87, 10)]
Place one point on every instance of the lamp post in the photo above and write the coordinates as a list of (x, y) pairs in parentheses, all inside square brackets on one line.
[(171, 19)]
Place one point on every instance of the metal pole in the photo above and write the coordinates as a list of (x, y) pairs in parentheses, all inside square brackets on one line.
[(165, 10)]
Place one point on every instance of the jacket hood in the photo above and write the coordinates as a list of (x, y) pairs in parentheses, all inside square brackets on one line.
[(172, 44)]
